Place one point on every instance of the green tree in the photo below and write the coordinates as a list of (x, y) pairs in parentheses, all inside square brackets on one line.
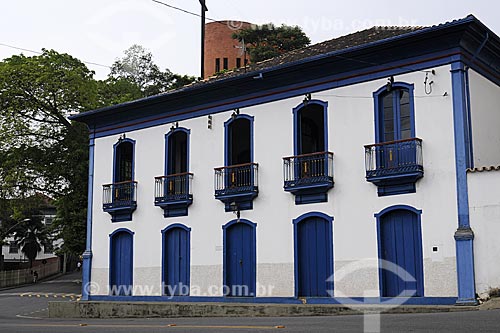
[(138, 67), (30, 236), (41, 151), (267, 41)]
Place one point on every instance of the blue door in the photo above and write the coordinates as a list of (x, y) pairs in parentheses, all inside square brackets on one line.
[(176, 261), (401, 245), (121, 264), (314, 257), (240, 259)]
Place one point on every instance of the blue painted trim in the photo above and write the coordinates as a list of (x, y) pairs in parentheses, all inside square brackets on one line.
[(167, 137), (469, 137), (111, 256), (280, 300), (331, 82), (464, 248), (295, 223), (296, 117), (378, 219), (253, 253), (87, 255), (163, 235), (378, 100), (396, 207), (115, 147), (227, 128)]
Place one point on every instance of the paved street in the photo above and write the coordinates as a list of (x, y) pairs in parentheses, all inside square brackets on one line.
[(20, 312)]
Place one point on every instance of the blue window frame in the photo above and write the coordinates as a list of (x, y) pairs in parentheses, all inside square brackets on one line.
[(394, 163), (173, 190), (237, 181), (119, 197), (309, 173), (394, 113)]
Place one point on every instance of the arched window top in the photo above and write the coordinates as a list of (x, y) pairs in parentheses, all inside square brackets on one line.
[(177, 131), (124, 141), (394, 86), (398, 207), (244, 221), (176, 226), (310, 103), (312, 214), (235, 117), (121, 230)]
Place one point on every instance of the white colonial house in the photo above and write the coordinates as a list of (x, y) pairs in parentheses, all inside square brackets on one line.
[(354, 169)]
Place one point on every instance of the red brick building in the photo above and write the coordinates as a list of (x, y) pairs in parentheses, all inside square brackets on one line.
[(221, 50)]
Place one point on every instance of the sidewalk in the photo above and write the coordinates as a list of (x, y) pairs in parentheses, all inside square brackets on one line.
[(95, 309)]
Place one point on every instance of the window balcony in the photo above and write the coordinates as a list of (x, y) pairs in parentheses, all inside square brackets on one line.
[(308, 176), (394, 166), (237, 184), (120, 200), (174, 193)]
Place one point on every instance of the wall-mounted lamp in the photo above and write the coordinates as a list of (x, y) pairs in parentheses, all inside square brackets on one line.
[(209, 124), (235, 209), (307, 98), (390, 82)]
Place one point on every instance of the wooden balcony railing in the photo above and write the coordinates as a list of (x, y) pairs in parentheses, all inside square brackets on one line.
[(119, 195), (235, 179), (393, 158), (173, 188), (307, 169)]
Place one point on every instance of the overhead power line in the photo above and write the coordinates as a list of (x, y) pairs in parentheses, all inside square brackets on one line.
[(38, 52), (187, 11)]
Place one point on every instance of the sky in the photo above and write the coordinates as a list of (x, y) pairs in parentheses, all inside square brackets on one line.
[(98, 31)]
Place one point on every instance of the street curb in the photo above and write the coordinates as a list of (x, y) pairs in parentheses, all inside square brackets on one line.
[(96, 309)]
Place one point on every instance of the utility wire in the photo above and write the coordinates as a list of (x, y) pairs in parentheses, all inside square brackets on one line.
[(38, 52), (187, 11)]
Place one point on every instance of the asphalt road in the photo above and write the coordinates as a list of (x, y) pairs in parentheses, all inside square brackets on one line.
[(21, 313)]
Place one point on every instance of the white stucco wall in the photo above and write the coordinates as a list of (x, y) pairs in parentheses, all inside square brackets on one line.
[(485, 119), (484, 203), (352, 202)]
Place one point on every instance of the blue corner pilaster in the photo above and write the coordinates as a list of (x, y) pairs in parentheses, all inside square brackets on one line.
[(464, 236), (87, 255)]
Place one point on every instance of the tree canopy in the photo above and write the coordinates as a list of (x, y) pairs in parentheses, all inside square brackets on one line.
[(137, 67), (268, 41)]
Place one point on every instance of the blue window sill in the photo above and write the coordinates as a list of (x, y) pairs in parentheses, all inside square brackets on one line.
[(174, 205), (241, 196), (309, 190), (395, 181), (120, 211)]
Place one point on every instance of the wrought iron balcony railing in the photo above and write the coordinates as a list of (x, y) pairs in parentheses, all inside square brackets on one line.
[(308, 170), (120, 195), (173, 188), (394, 158), (236, 179)]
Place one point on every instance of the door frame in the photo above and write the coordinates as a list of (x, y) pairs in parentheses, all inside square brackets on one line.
[(112, 255), (420, 274), (253, 253), (329, 254), (163, 246)]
